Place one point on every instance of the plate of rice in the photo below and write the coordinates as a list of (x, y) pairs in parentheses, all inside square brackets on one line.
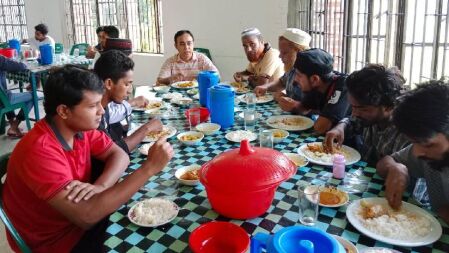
[(410, 226), (153, 212), (315, 153), (290, 122), (185, 84)]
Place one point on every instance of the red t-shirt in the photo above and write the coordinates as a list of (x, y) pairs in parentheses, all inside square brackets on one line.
[(38, 169)]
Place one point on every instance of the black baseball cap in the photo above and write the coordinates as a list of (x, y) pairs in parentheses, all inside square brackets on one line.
[(314, 61)]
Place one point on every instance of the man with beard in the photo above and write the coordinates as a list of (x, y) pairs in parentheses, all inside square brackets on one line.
[(324, 90), (423, 116), (372, 92), (264, 62)]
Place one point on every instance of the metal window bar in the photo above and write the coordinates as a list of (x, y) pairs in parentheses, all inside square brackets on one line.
[(13, 20)]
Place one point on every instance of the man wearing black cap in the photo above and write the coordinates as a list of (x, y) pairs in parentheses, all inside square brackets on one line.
[(324, 89)]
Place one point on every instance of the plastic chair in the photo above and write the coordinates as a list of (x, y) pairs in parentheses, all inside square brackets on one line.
[(6, 106), (82, 47), (4, 45), (204, 51), (59, 48), (13, 232)]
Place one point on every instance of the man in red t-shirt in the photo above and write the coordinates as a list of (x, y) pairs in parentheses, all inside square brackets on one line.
[(47, 194)]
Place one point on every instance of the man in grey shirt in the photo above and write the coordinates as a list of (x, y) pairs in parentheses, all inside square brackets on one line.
[(423, 116), (372, 93)]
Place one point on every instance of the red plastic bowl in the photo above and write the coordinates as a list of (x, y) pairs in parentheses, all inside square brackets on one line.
[(204, 114), (217, 237), (7, 52)]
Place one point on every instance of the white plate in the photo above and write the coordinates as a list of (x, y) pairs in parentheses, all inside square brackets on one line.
[(171, 132), (145, 147), (277, 122), (208, 128), (193, 91), (196, 96), (433, 235), (351, 155), (259, 100), (344, 195), (154, 105), (170, 212), (239, 135), (240, 88), (349, 247), (298, 160), (182, 101), (171, 95), (379, 249), (179, 85), (179, 172), (161, 88)]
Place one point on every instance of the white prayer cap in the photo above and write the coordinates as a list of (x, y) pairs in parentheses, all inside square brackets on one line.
[(251, 32), (297, 36)]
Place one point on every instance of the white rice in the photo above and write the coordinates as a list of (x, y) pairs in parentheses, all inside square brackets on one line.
[(154, 211), (402, 225)]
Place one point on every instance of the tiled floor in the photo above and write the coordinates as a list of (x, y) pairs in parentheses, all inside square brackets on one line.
[(7, 145)]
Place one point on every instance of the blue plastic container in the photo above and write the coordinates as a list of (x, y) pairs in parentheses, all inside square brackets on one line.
[(206, 79), (14, 43), (296, 239), (46, 54), (221, 105)]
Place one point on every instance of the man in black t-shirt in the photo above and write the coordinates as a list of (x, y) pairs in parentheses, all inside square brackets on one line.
[(324, 90)]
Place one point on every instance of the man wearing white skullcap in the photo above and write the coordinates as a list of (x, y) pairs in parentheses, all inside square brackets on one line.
[(291, 42), (264, 63)]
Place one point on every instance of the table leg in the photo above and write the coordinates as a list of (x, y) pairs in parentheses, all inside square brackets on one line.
[(35, 98)]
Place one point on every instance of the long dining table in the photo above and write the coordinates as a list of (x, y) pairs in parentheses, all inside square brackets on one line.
[(124, 236)]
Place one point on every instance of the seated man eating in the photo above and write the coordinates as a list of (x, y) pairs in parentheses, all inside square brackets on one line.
[(264, 62), (47, 193)]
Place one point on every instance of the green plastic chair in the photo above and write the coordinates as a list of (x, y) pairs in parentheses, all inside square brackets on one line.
[(13, 232), (4, 45), (6, 106), (204, 51), (82, 47), (59, 48)]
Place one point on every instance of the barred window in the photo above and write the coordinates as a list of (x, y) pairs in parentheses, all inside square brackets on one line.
[(137, 20), (410, 34), (13, 24)]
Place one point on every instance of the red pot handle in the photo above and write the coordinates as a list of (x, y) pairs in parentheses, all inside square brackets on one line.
[(245, 148)]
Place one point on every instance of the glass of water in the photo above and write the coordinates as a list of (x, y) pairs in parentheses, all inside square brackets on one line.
[(249, 120), (251, 100), (265, 138), (309, 199)]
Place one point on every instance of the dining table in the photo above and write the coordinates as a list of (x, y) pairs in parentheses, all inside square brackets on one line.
[(36, 72), (195, 209)]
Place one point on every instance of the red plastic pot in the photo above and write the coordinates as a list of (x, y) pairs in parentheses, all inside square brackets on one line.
[(241, 183), (204, 114), (7, 52), (217, 237)]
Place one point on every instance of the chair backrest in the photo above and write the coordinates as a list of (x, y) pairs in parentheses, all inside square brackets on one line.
[(4, 45), (4, 101), (204, 51), (59, 48), (13, 232), (82, 47)]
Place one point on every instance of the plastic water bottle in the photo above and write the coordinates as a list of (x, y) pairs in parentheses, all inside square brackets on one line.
[(338, 168)]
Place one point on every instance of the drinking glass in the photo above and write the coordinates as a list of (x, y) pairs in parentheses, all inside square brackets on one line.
[(266, 138), (249, 119), (250, 101), (309, 199), (194, 118)]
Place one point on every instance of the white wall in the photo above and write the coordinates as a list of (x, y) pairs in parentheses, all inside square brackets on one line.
[(215, 24)]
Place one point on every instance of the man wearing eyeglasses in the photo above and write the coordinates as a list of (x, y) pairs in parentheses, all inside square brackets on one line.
[(185, 65), (264, 62)]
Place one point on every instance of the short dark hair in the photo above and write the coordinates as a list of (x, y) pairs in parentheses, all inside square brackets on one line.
[(99, 29), (111, 31), (424, 112), (42, 28), (113, 64), (65, 85), (315, 61), (182, 32), (375, 85)]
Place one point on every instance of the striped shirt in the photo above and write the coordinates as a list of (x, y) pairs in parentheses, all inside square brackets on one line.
[(175, 65)]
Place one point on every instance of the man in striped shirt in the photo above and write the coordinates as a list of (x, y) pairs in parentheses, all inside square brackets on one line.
[(186, 64)]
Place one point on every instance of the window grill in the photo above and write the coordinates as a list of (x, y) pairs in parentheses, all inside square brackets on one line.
[(13, 23), (138, 20), (413, 35)]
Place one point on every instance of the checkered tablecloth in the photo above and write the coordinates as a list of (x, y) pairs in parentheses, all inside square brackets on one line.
[(123, 236), (41, 71)]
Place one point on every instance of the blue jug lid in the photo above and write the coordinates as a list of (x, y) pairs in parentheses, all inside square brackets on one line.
[(310, 239), (221, 88), (208, 73)]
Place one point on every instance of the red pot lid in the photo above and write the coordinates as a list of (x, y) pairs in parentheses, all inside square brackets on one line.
[(246, 168)]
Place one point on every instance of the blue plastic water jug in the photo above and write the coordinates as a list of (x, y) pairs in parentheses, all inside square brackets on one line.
[(206, 79), (14, 43), (296, 239), (221, 105), (46, 54)]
